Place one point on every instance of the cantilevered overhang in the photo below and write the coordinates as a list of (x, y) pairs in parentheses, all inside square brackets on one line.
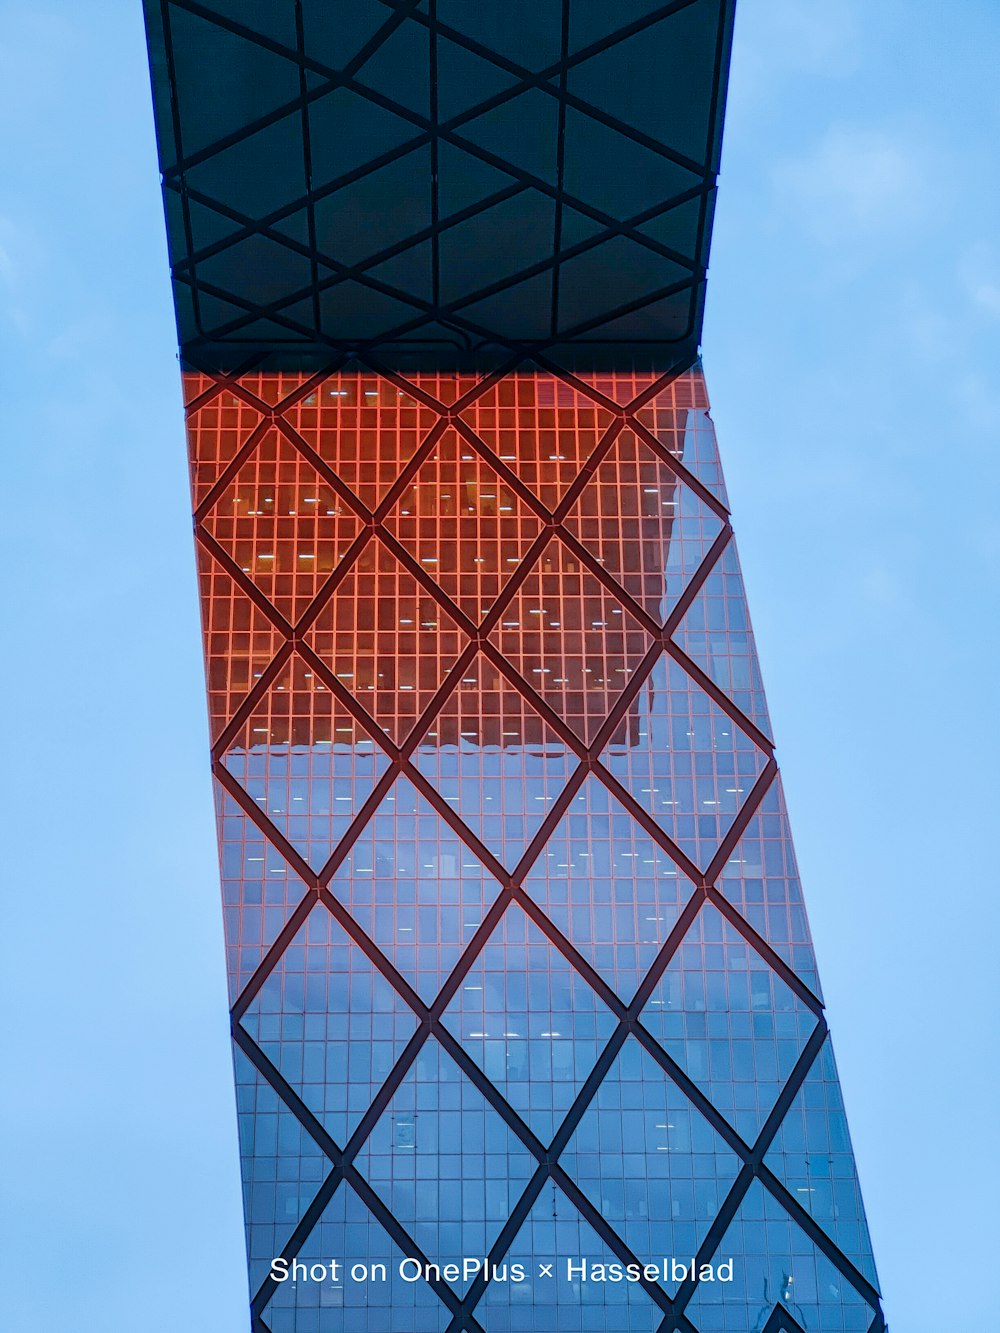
[(428, 179)]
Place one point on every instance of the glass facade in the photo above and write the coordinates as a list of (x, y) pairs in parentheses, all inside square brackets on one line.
[(528, 1033)]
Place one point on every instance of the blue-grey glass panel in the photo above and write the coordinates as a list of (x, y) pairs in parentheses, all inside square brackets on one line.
[(446, 1163), (530, 1021), (611, 890), (415, 888), (649, 1161), (732, 1024), (776, 1264), (330, 1022)]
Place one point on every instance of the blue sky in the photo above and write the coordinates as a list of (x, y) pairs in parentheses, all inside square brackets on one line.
[(852, 344)]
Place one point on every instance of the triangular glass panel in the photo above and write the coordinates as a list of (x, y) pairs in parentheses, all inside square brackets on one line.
[(641, 177), (599, 282), (260, 891), (729, 1021), (281, 272), (521, 310), (288, 561), (415, 888), (612, 891), (530, 1021), (274, 386), (410, 274), (381, 209), (685, 761), (335, 37), (270, 18), (350, 1234), (659, 81), (347, 131), (649, 1162), (620, 386), (248, 81), (446, 1163), (716, 634), (369, 313), (305, 761), (283, 1167), (678, 417), (571, 640), (465, 180), (761, 880), (775, 1264), (523, 131), (527, 35), (554, 1234), (811, 1155), (400, 68), (464, 525), (465, 80), (365, 427), (215, 434), (330, 1023), (495, 761), (387, 640), (239, 641), (648, 530), (496, 245), (259, 174), (589, 24), (194, 383), (545, 429), (445, 386)]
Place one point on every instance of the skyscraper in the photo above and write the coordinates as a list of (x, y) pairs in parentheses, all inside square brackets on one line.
[(528, 1034)]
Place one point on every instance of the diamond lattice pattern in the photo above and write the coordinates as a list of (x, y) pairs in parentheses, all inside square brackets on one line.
[(517, 949)]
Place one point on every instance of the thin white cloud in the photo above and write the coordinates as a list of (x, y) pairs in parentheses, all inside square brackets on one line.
[(859, 181), (778, 39), (979, 275)]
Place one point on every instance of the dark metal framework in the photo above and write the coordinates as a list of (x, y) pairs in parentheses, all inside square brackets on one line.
[(492, 194), (480, 641), (436, 176)]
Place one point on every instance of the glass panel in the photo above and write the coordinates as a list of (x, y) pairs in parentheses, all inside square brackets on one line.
[(364, 427), (259, 891), (318, 1300), (544, 429), (761, 879), (649, 1162), (387, 640), (305, 761), (216, 433), (240, 641), (446, 1163), (811, 1155), (731, 1023), (282, 525), (415, 887), (464, 525), (495, 762), (283, 1167), (612, 891), (688, 764), (715, 633), (553, 1232), (679, 419), (775, 1265), (330, 1023), (645, 527), (530, 1022), (570, 640)]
